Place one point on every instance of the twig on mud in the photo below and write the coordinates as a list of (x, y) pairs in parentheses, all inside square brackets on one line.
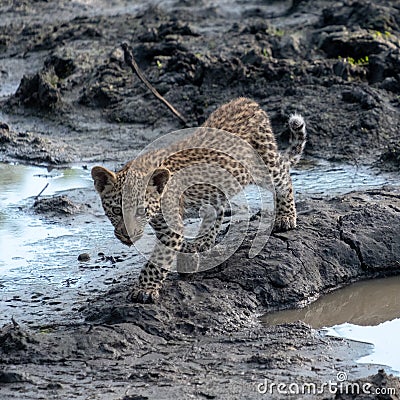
[(128, 57), (45, 187), (14, 322)]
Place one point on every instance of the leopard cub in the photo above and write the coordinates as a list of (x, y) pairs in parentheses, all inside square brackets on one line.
[(142, 183)]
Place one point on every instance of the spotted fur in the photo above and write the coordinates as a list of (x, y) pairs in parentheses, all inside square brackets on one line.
[(147, 176)]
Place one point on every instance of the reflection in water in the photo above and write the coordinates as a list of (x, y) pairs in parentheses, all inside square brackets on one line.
[(325, 177), (366, 311), (21, 233), (363, 303), (18, 182), (384, 337)]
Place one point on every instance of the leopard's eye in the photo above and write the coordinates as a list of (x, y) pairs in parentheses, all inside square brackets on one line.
[(141, 212), (117, 210)]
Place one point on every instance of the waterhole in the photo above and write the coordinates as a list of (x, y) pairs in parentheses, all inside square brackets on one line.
[(367, 311), (41, 279)]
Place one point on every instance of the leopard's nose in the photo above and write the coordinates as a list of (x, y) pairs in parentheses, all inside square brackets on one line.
[(125, 239), (128, 241)]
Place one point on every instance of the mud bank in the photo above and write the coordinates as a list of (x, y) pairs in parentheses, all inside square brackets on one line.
[(333, 246)]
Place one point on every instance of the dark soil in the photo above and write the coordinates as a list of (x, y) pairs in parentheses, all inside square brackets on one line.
[(75, 100), (336, 63), (204, 336)]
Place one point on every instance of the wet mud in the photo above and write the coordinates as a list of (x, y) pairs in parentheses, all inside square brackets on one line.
[(67, 96)]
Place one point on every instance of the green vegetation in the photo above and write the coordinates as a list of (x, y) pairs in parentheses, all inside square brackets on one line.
[(352, 61), (378, 34), (275, 32)]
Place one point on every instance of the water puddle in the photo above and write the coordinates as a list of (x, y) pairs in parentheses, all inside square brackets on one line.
[(367, 311), (22, 234), (324, 177)]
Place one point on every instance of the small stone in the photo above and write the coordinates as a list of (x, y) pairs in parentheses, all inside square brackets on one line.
[(12, 377), (53, 386), (84, 257), (4, 126)]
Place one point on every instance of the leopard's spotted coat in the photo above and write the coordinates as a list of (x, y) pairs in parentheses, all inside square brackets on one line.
[(147, 176)]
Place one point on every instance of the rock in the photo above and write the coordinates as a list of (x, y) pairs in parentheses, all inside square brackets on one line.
[(391, 84), (357, 95), (376, 68), (381, 382), (389, 160), (4, 42), (5, 136), (175, 28), (84, 257), (14, 339), (377, 251), (342, 69), (289, 47), (357, 45), (11, 377), (103, 90), (255, 57), (355, 14), (39, 90), (56, 205), (4, 126), (348, 237)]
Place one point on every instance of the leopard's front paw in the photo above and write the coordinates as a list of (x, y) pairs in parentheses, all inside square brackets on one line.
[(284, 223), (144, 296)]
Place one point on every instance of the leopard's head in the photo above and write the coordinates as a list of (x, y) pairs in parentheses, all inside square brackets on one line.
[(142, 197)]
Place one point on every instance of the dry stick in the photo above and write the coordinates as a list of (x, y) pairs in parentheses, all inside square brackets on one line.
[(128, 57), (47, 184)]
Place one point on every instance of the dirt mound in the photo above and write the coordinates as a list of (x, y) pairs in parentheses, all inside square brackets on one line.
[(57, 205), (31, 147)]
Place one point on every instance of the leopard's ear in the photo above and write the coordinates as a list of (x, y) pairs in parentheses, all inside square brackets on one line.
[(102, 178), (159, 179)]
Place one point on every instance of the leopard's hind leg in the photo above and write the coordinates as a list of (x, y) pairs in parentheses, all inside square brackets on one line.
[(285, 212)]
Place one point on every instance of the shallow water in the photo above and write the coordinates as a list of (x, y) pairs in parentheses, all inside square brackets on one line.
[(23, 235), (366, 311), (322, 177)]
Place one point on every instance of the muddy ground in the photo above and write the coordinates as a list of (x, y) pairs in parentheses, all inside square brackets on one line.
[(67, 96)]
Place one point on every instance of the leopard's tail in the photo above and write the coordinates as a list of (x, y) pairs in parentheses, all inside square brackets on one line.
[(297, 128)]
